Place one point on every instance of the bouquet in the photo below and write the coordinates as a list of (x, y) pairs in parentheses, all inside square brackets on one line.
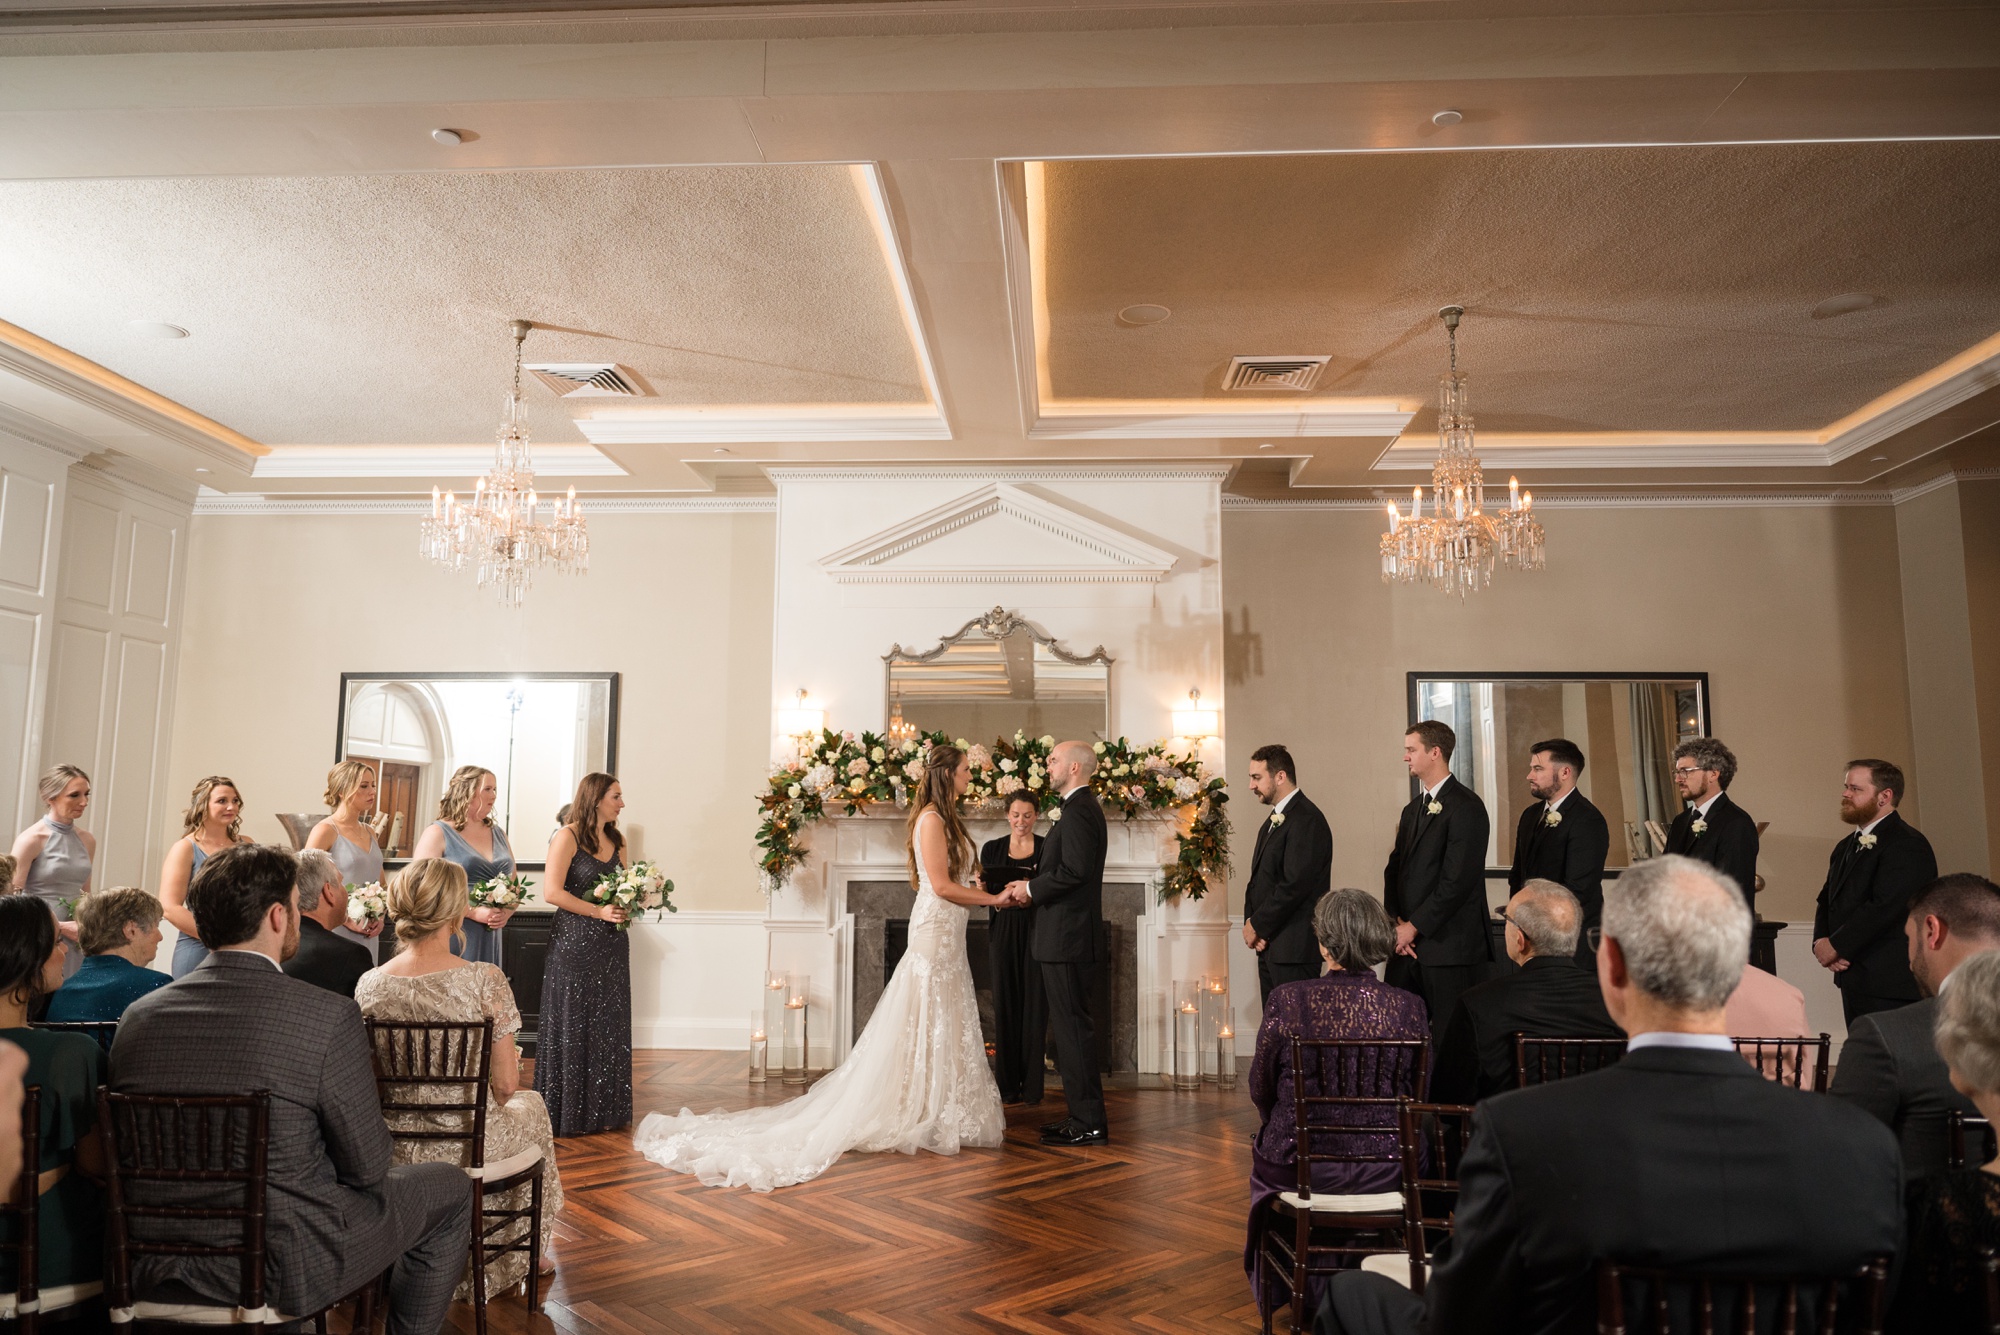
[(366, 905), (502, 892), (635, 889)]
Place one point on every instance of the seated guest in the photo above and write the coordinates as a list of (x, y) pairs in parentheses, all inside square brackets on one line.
[(1956, 1212), (119, 930), (427, 980), (323, 959), (69, 1068), (1890, 1065), (7, 865), (13, 1065), (1679, 1156), (1549, 996), (338, 1214), (1766, 1006), (1355, 934)]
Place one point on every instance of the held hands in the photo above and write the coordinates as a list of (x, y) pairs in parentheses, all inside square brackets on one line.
[(1015, 896), (611, 913), (1828, 957), (1250, 937), (490, 917), (1406, 939)]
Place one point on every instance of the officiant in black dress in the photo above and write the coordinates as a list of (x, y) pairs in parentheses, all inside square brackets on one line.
[(1020, 1015)]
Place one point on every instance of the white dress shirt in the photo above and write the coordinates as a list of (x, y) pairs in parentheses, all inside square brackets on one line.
[(1661, 1038)]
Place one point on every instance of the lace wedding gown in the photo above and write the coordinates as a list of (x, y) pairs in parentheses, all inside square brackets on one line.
[(916, 1080)]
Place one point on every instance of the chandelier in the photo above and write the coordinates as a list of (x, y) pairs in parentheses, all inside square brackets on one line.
[(1456, 546), (901, 730), (500, 530)]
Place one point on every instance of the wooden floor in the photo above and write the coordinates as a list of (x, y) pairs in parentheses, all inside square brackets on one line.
[(1145, 1234)]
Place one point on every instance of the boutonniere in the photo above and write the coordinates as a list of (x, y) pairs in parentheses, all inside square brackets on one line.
[(1700, 826), (1435, 808), (1866, 840), (1552, 818), (1055, 815), (1277, 819)]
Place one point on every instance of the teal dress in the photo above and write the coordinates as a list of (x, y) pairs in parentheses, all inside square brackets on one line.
[(69, 1068), (481, 942), (102, 988)]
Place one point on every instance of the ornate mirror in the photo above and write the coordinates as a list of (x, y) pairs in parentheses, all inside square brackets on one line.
[(998, 674)]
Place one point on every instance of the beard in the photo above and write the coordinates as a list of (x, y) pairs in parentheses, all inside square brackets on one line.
[(291, 943), (1854, 815), (1541, 792)]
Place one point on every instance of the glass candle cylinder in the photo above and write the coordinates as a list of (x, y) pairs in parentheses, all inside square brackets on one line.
[(1187, 1035), (774, 1005), (1225, 1057), (760, 1048), (1214, 1014), (798, 1027)]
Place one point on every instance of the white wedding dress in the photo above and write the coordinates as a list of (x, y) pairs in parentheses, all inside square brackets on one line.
[(916, 1080)]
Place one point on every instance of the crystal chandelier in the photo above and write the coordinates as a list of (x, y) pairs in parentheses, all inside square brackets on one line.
[(901, 730), (499, 530), (1455, 547)]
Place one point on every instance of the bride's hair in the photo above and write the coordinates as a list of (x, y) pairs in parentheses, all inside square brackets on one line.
[(934, 789)]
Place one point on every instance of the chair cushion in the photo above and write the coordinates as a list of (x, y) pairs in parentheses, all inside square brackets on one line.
[(1390, 1265), (51, 1299), (501, 1170), (200, 1314), (1379, 1202)]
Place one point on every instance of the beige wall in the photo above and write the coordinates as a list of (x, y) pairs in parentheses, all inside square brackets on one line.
[(1795, 613), (1979, 519), (678, 603)]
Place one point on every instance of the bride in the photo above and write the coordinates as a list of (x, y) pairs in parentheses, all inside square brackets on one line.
[(917, 1077)]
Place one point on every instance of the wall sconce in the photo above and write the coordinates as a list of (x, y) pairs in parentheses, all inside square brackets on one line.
[(801, 721), (1193, 722)]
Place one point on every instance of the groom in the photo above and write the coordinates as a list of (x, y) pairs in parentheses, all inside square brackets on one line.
[(1069, 900)]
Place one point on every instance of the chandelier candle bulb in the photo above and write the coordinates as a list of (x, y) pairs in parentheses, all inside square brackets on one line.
[(1416, 502), (1395, 520), (1513, 493)]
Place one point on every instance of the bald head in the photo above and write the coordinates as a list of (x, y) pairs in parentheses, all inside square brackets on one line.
[(1071, 763), (1547, 917)]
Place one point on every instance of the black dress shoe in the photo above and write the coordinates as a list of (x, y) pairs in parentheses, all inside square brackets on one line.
[(1060, 1124), (1076, 1133)]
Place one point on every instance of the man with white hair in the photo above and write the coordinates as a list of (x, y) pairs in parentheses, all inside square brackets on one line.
[(1681, 1156), (323, 959)]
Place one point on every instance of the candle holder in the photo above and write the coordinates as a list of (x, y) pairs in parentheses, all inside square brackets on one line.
[(1187, 1034), (798, 1027), (774, 1008), (760, 1049), (1214, 1015), (1225, 1057)]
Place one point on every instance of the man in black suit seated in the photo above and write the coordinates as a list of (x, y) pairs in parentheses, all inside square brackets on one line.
[(1291, 869), (1712, 828), (1870, 880), (1890, 1065), (1562, 837), (1435, 883), (325, 960), (1681, 1156), (1549, 996)]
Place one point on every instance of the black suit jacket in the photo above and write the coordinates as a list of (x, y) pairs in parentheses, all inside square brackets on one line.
[(1865, 900), (1547, 997), (1068, 893), (1436, 877), (1890, 1068), (1672, 1157), (1729, 844), (328, 961), (1290, 870), (1571, 853)]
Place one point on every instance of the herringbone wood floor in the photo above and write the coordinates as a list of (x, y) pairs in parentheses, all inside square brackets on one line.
[(1146, 1234)]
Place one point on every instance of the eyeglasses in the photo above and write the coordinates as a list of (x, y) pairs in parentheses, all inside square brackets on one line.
[(1688, 769), (1594, 935)]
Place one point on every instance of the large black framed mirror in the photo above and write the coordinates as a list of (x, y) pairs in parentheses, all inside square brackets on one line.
[(539, 732)]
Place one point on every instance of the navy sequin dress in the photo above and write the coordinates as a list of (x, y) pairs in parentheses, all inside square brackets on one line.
[(583, 1038)]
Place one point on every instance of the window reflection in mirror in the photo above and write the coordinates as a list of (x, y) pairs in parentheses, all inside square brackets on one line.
[(999, 675)]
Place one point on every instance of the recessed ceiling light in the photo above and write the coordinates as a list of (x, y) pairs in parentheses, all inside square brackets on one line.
[(723, 449), (156, 329), (1265, 446), (1448, 117), (449, 138), (1138, 317), (201, 470), (1846, 304), (1878, 458)]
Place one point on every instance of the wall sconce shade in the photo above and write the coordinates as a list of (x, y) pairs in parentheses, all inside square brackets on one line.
[(1195, 723), (801, 721)]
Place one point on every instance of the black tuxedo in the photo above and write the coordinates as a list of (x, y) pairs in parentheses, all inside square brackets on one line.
[(1550, 997), (1571, 853), (1436, 881), (1291, 868), (326, 960), (1068, 897), (1674, 1157), (1729, 844), (1890, 1068), (1861, 911)]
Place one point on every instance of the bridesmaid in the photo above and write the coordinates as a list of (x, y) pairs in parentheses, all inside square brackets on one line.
[(212, 822), (464, 833), (350, 791), (52, 857), (583, 1043)]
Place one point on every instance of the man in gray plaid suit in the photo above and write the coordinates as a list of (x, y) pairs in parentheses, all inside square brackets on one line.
[(338, 1214)]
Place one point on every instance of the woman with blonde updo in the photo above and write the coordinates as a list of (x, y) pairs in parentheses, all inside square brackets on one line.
[(350, 791), (53, 857), (212, 822), (464, 833), (426, 982)]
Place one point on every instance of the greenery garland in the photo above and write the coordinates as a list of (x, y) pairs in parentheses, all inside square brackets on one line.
[(851, 773)]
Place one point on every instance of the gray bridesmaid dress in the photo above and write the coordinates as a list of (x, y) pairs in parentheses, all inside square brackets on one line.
[(58, 874), (482, 943), (189, 952), (358, 866)]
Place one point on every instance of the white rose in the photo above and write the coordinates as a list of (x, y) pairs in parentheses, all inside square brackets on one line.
[(1098, 747), (792, 791), (1034, 782), (1048, 741), (1185, 788), (878, 755), (1007, 766)]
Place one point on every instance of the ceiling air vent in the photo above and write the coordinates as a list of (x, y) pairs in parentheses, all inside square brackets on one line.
[(1299, 373), (588, 380)]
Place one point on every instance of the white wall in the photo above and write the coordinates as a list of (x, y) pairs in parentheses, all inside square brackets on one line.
[(32, 483)]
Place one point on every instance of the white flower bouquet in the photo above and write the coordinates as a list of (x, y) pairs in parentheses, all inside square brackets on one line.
[(366, 905), (635, 889), (502, 892)]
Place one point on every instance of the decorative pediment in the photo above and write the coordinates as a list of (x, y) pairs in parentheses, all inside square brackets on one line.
[(1000, 534)]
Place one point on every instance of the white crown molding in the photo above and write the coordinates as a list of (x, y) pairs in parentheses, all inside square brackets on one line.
[(1113, 557), (218, 503), (357, 461), (1715, 449), (1195, 421), (46, 435), (772, 425), (1689, 500), (878, 473)]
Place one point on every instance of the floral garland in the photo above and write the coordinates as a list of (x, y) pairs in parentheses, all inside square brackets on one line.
[(852, 773)]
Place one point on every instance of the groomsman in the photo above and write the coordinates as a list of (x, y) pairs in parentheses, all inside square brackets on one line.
[(1435, 883), (1562, 837), (1290, 870), (1712, 828), (1870, 880)]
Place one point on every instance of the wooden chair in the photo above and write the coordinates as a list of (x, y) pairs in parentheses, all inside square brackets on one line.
[(1689, 1302), (1989, 1289), (220, 1143), (28, 1302), (455, 1059), (104, 1031), (1784, 1059), (1537, 1061), (1303, 1234), (1432, 1138), (1956, 1125)]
